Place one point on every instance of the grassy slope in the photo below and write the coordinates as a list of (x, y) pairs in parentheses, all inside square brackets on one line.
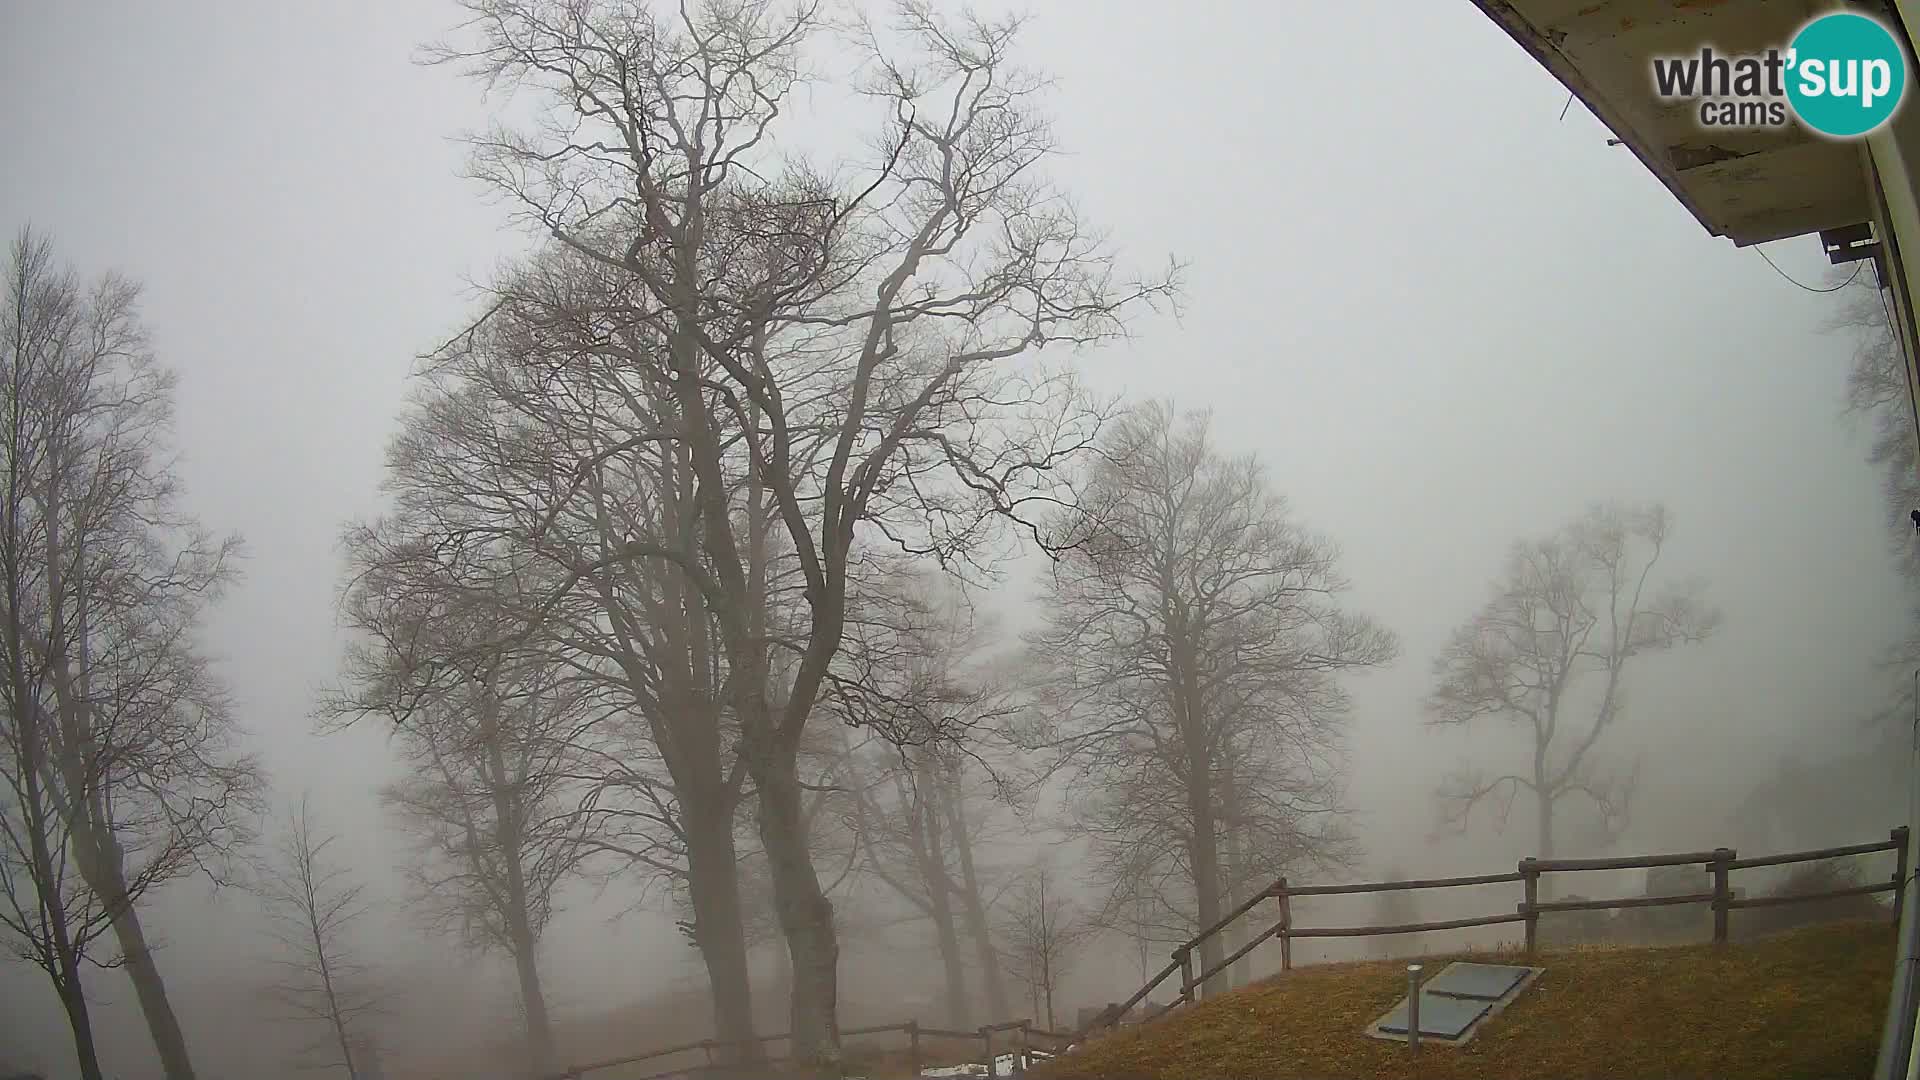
[(1803, 1004)]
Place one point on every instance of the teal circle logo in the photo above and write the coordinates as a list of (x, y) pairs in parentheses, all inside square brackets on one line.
[(1846, 74)]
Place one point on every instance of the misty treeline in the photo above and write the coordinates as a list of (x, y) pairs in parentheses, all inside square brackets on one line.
[(677, 587)]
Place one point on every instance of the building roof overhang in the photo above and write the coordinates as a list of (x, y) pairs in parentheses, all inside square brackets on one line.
[(1750, 186)]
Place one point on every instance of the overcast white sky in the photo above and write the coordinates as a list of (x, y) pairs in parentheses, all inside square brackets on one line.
[(1443, 316)]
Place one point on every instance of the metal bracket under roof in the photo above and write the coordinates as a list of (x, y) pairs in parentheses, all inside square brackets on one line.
[(1849, 243)]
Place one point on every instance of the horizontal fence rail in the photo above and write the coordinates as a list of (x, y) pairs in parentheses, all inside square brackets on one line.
[(1720, 863), (1017, 1038), (1394, 886)]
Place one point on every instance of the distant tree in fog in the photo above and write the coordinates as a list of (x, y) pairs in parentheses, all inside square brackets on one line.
[(312, 904), (1878, 396), (494, 741), (1545, 659), (119, 765), (1395, 907), (1188, 676), (1044, 931), (917, 673), (484, 805)]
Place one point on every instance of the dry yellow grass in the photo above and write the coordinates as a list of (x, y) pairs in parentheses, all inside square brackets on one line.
[(1808, 1003)]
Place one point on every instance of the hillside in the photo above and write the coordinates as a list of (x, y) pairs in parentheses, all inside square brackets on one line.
[(1807, 1003)]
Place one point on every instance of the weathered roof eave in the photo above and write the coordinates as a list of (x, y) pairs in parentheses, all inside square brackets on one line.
[(1528, 36)]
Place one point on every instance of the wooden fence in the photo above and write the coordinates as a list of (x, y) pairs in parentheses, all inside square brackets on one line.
[(1017, 1038), (1720, 862)]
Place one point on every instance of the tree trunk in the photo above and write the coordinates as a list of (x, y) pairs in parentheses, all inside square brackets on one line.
[(974, 908), (65, 956), (1235, 874), (1205, 854), (148, 986), (74, 999), (1203, 851), (1203, 844), (805, 913), (533, 1001), (768, 741), (783, 972), (1545, 841), (324, 968), (940, 903), (719, 931), (509, 822)]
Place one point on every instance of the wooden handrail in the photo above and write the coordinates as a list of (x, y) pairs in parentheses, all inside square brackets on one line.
[(881, 1030), (1627, 902), (1222, 922), (1390, 886), (1630, 862), (1261, 938), (1408, 928), (1815, 856), (1801, 898)]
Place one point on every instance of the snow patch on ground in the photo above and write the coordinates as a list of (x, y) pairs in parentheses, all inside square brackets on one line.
[(1002, 1066)]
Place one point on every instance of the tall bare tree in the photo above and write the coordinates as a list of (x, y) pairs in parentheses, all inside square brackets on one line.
[(122, 766), (524, 453), (776, 306), (1547, 655), (1044, 932), (1194, 640), (313, 904)]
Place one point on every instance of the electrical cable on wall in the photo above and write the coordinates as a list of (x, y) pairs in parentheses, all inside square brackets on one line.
[(1809, 288)]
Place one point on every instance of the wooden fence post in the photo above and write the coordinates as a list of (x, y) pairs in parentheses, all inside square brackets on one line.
[(1530, 879), (913, 1046), (1721, 894), (1185, 956), (1020, 1050), (1900, 871), (1286, 925), (986, 1036)]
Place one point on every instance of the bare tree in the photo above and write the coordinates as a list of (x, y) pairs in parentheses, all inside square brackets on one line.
[(1044, 932), (916, 669), (491, 769), (470, 473), (122, 765), (1878, 396), (1395, 907), (1566, 616), (902, 825), (312, 904), (777, 307), (1189, 672), (959, 788)]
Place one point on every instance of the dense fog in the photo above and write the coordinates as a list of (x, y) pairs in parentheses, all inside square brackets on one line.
[(1367, 329)]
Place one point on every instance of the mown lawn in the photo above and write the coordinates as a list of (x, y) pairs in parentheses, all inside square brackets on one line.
[(1807, 1003)]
